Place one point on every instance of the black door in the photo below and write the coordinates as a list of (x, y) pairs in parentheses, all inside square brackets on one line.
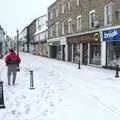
[(85, 53)]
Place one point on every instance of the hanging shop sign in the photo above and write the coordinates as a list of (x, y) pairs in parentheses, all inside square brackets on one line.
[(111, 35)]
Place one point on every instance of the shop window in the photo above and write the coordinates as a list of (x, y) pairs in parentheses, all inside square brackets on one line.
[(113, 53), (76, 53), (95, 53)]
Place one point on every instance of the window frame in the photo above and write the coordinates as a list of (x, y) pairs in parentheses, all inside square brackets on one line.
[(90, 18), (79, 23), (108, 9), (70, 25)]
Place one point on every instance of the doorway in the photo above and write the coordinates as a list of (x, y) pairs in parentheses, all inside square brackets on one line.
[(85, 53)]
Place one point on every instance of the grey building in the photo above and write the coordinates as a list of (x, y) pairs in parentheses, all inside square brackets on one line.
[(31, 29)]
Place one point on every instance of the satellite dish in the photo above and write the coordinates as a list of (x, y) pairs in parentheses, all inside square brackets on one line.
[(96, 24)]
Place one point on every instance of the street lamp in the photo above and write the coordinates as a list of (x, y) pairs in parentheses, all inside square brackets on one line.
[(17, 42)]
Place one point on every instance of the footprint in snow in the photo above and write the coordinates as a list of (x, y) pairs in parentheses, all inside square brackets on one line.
[(45, 113)]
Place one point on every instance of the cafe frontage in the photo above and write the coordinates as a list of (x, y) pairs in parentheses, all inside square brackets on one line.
[(85, 47)]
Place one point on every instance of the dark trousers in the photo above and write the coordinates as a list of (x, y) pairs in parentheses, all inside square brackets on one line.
[(12, 71)]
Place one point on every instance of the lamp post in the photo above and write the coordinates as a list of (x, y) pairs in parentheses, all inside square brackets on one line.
[(17, 42)]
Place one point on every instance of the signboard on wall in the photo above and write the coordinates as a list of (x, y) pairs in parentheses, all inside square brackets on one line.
[(111, 35), (90, 37)]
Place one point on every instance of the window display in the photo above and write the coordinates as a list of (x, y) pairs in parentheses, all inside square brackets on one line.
[(95, 53), (113, 53)]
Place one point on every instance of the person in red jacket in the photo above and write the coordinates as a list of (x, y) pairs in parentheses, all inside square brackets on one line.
[(12, 61)]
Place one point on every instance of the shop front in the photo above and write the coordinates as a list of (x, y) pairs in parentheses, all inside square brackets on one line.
[(112, 39), (86, 48), (57, 48), (54, 49)]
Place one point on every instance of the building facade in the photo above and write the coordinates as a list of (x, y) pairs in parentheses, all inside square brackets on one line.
[(84, 25), (31, 29), (2, 42), (56, 34), (23, 40), (41, 36)]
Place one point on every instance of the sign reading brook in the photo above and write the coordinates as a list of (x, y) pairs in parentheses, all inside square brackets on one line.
[(111, 35), (1, 95)]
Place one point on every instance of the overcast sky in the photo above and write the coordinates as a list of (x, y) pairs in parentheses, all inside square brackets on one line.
[(18, 13)]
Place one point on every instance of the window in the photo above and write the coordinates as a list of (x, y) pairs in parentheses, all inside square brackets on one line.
[(69, 25), (78, 2), (95, 53), (57, 28), (51, 15), (63, 31), (108, 14), (79, 25), (92, 18), (51, 31), (63, 7), (56, 12), (113, 53), (69, 6)]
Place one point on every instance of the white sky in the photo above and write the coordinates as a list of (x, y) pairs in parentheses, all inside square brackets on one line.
[(62, 92), (18, 13)]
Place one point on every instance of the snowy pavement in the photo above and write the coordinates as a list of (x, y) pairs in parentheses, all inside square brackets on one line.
[(62, 92)]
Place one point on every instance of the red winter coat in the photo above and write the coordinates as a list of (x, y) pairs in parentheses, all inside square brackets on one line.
[(12, 59)]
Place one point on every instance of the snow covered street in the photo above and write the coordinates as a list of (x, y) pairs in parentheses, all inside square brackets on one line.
[(62, 92)]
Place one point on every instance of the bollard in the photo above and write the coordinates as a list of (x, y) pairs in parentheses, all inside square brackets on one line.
[(79, 64), (1, 96), (117, 70), (31, 80)]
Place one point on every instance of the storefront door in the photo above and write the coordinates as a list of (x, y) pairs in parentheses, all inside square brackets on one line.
[(85, 53)]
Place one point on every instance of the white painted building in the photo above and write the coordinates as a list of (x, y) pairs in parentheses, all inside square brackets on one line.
[(23, 39), (41, 36)]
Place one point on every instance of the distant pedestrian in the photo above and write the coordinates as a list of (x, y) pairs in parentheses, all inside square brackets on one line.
[(12, 61)]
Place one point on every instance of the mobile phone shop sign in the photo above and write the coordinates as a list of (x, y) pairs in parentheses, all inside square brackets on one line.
[(111, 35)]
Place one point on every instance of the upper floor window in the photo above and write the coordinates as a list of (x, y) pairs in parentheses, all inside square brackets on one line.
[(92, 18), (79, 24), (69, 7), (63, 29), (56, 12), (63, 8), (78, 2), (70, 26), (108, 14), (57, 28), (51, 31), (51, 15)]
